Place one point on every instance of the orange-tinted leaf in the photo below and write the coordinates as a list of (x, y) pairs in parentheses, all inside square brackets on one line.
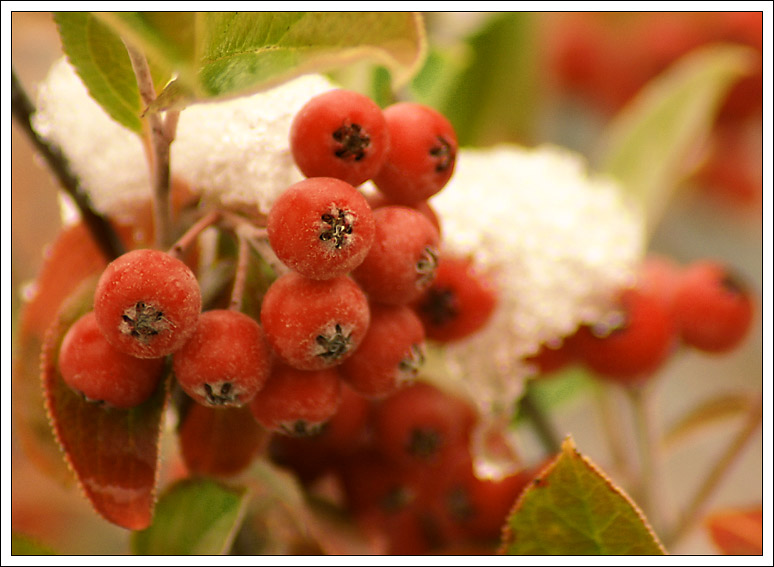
[(114, 453), (220, 441), (737, 532)]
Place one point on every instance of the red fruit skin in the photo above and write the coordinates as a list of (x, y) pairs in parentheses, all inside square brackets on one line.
[(549, 360), (422, 155), (713, 307), (459, 302), (313, 137), (296, 311), (93, 367), (419, 424), (402, 261), (389, 356), (297, 402), (633, 352), (659, 277), (378, 200), (303, 240), (228, 347), (154, 279)]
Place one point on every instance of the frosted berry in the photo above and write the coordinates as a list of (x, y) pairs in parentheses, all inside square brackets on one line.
[(420, 423), (147, 303), (313, 324), (297, 402), (321, 227), (459, 302), (341, 134), (226, 361), (101, 373), (403, 259), (390, 355), (713, 307), (423, 151), (631, 348)]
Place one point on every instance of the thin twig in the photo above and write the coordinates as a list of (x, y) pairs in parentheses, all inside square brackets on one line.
[(160, 139), (540, 423), (186, 240), (612, 431), (696, 508), (240, 278), (103, 233)]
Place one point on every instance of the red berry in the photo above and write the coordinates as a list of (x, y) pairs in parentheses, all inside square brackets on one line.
[(297, 402), (458, 303), (313, 324), (147, 303), (550, 359), (632, 349), (713, 307), (419, 423), (659, 277), (93, 367), (423, 151), (402, 261), (226, 361), (340, 134), (391, 352), (378, 200), (321, 227)]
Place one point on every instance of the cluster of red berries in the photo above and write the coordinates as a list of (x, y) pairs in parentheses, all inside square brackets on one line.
[(365, 285), (703, 306), (403, 467)]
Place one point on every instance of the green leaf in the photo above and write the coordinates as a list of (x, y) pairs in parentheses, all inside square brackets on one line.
[(23, 545), (655, 142), (218, 55), (487, 87), (193, 517), (572, 508), (100, 58)]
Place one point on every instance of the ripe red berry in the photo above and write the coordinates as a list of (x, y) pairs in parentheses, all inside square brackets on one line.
[(713, 307), (147, 303), (378, 200), (550, 359), (313, 324), (321, 227), (340, 134), (632, 349), (423, 151), (420, 423), (390, 355), (99, 371), (225, 362), (402, 261), (297, 402), (458, 303)]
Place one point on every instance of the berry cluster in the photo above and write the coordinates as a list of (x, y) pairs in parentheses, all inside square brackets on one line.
[(360, 284), (405, 471), (703, 306)]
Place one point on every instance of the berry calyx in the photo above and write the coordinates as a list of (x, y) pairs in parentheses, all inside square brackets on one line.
[(89, 364), (321, 227), (226, 361), (147, 303)]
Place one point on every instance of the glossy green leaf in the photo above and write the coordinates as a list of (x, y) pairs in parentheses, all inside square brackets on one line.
[(217, 55), (114, 453), (572, 508), (657, 140), (99, 56), (193, 517), (488, 87)]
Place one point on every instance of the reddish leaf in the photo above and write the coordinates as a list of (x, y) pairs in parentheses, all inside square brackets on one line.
[(114, 453), (738, 532), (220, 441)]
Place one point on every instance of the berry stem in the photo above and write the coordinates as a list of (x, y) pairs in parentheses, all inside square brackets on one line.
[(103, 233), (240, 278), (607, 410), (185, 241), (544, 429), (697, 506), (652, 487), (160, 136)]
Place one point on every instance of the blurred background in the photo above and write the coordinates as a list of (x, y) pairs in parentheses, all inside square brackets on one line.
[(526, 78)]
